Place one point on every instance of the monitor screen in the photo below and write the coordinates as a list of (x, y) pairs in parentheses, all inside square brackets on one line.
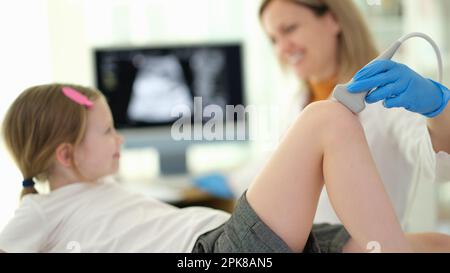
[(143, 86)]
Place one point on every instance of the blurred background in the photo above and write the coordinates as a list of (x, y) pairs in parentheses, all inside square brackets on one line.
[(57, 40)]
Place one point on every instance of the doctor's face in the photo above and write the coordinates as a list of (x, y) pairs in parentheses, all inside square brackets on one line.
[(302, 40)]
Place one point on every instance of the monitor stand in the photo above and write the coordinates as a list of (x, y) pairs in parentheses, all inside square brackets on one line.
[(173, 158), (172, 154)]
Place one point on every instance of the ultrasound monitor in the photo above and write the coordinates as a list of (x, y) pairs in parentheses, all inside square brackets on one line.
[(149, 89)]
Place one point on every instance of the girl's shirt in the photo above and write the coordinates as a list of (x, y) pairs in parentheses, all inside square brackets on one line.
[(104, 217)]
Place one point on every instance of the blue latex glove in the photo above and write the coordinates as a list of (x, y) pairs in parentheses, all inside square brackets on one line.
[(215, 184), (399, 86)]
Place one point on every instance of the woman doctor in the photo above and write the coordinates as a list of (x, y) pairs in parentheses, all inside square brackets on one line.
[(325, 42)]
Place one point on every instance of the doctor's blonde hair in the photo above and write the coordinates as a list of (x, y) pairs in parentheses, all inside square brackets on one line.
[(38, 121), (356, 47)]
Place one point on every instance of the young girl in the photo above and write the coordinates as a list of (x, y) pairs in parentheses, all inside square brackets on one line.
[(64, 134)]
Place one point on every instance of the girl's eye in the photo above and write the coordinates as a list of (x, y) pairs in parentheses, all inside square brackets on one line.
[(108, 130)]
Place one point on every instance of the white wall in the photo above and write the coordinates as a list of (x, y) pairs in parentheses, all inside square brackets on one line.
[(25, 61)]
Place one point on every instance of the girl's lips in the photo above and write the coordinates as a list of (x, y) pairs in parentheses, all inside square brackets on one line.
[(116, 155)]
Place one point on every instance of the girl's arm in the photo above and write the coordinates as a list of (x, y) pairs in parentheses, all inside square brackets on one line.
[(326, 145)]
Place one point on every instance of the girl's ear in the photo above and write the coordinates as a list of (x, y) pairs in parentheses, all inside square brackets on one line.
[(64, 154)]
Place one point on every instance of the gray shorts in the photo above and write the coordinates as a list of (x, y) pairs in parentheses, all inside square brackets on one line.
[(245, 232)]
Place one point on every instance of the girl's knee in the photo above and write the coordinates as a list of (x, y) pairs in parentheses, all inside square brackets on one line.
[(331, 115), (330, 110)]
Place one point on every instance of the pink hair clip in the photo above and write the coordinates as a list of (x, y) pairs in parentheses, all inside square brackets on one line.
[(77, 97)]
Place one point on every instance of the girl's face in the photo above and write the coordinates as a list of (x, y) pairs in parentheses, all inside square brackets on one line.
[(99, 152), (303, 41)]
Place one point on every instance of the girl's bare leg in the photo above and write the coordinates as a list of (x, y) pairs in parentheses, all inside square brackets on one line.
[(429, 242), (325, 145), (420, 242)]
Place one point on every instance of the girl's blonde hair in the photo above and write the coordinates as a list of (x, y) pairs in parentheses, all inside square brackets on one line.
[(38, 121), (355, 45)]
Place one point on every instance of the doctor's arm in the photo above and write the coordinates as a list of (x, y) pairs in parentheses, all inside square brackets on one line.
[(439, 128), (399, 86)]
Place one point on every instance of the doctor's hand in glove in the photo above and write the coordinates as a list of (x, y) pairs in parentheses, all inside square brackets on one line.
[(399, 86), (215, 184)]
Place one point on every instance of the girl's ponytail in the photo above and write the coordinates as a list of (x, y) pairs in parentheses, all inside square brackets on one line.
[(28, 187)]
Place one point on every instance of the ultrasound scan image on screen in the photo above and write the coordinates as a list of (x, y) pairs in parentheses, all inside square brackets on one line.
[(144, 85)]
